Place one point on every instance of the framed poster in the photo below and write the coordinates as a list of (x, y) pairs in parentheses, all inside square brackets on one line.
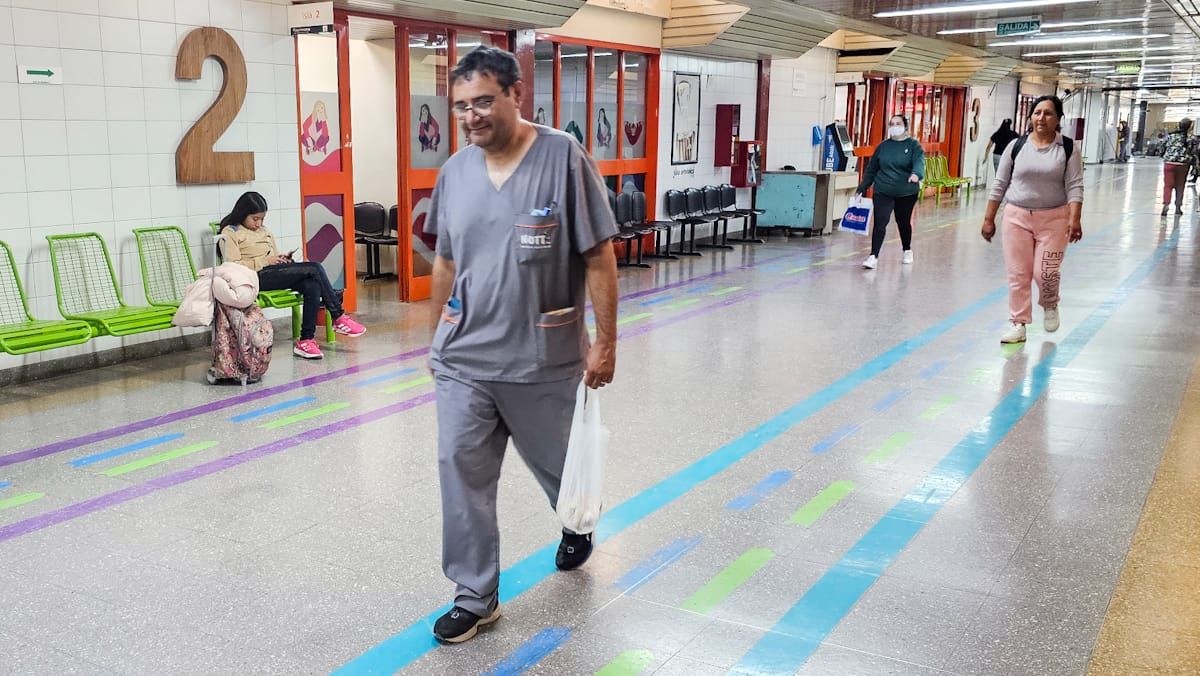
[(685, 119)]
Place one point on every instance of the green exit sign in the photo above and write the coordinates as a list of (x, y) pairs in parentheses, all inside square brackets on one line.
[(1129, 68), (1019, 27)]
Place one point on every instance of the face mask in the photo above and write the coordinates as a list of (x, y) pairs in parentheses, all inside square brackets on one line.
[(896, 131)]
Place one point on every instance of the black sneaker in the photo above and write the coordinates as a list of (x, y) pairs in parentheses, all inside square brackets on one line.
[(573, 551), (458, 625)]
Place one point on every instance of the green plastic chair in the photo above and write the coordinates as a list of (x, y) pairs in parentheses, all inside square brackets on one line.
[(87, 289), (167, 266), (20, 333), (284, 299)]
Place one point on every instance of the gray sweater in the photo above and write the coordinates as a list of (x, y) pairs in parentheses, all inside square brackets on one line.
[(1042, 179)]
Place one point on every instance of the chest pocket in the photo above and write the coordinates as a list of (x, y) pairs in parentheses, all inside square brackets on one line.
[(535, 238)]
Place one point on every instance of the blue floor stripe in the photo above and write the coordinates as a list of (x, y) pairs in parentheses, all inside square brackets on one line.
[(273, 408), (656, 301), (650, 568), (531, 652), (392, 375), (967, 345), (760, 491), (890, 399), (700, 289), (802, 629), (404, 648), (93, 459), (839, 435), (934, 369), (4, 484)]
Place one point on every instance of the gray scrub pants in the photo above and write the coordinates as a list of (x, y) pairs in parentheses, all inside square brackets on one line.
[(475, 421)]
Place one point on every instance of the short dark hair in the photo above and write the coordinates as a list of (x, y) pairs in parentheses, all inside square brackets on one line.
[(501, 65), (1054, 100), (902, 119)]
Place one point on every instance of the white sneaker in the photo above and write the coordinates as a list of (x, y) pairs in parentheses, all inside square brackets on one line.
[(871, 262), (1052, 320), (908, 257), (1014, 334)]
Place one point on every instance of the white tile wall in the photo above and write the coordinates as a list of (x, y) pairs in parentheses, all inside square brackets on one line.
[(97, 154), (802, 96)]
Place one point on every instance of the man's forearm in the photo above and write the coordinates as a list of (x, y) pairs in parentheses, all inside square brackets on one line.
[(602, 288), (443, 281)]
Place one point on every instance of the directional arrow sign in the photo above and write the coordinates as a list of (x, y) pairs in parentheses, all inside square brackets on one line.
[(39, 74)]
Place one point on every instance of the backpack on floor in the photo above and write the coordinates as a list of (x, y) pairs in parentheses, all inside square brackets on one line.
[(241, 345)]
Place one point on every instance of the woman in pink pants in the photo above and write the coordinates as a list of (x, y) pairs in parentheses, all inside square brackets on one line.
[(1178, 157), (1041, 177)]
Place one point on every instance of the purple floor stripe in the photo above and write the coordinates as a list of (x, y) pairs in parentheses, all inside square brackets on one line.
[(103, 435), (107, 500)]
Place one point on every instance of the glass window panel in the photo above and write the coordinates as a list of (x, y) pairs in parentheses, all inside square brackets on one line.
[(429, 102), (633, 141), (633, 183), (543, 83), (320, 131), (604, 100), (572, 83)]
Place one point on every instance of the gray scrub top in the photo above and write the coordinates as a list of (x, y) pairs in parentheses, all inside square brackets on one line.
[(516, 308)]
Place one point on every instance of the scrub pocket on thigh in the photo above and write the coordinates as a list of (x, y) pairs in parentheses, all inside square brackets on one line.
[(559, 338)]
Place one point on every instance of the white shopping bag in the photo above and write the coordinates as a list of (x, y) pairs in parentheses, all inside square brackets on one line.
[(858, 215), (579, 494)]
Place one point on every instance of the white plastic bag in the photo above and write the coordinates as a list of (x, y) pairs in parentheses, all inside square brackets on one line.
[(580, 492)]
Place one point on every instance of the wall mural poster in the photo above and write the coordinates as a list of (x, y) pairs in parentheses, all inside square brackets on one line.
[(320, 133), (605, 147), (423, 244), (634, 145), (430, 115), (685, 119), (323, 241)]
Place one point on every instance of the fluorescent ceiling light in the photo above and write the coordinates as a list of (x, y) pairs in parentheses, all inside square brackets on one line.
[(1068, 24), (1075, 40), (1119, 59), (1119, 50), (977, 7)]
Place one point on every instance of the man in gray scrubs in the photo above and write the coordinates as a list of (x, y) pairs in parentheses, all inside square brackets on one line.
[(523, 237)]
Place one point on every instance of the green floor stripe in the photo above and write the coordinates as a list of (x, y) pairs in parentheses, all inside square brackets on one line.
[(151, 460), (824, 501), (408, 385), (978, 375), (735, 574), (628, 663), (682, 303), (826, 262), (1010, 349), (18, 500), (793, 271), (305, 415), (939, 407), (889, 448), (634, 318), (725, 291)]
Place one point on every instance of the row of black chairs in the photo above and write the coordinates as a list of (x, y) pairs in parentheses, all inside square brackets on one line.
[(375, 228), (711, 205)]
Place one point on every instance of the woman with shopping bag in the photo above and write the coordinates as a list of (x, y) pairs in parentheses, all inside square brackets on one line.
[(896, 171)]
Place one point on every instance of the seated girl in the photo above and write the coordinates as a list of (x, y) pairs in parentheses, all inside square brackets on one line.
[(249, 243)]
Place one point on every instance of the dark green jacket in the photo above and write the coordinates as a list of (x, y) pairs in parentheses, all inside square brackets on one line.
[(891, 165)]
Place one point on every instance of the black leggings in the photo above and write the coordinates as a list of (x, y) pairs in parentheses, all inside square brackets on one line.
[(310, 281), (884, 206)]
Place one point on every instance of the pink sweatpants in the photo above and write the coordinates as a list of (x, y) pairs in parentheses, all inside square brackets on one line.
[(1034, 241)]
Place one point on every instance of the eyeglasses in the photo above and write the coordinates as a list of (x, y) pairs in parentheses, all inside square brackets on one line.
[(482, 107)]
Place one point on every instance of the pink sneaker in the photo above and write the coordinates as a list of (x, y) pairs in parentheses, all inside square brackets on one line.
[(307, 349), (348, 327)]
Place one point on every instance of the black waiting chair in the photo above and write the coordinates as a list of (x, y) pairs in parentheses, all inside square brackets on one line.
[(713, 210), (629, 233), (392, 225), (640, 216), (371, 229), (685, 209), (749, 216)]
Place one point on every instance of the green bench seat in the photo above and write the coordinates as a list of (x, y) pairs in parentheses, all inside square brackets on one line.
[(86, 288), (20, 333)]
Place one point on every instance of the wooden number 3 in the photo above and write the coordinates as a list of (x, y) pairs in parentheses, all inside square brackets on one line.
[(195, 160), (976, 105)]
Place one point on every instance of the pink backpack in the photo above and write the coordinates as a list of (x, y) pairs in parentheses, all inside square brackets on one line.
[(241, 344)]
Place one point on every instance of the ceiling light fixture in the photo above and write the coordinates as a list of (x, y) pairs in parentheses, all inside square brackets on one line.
[(1068, 24), (1118, 50), (976, 7), (1076, 40)]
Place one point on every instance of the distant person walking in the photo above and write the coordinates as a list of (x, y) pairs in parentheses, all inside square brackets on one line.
[(1041, 176), (1179, 153), (1122, 141), (999, 142), (896, 170)]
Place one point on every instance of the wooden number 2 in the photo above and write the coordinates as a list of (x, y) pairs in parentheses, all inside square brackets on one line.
[(195, 160)]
